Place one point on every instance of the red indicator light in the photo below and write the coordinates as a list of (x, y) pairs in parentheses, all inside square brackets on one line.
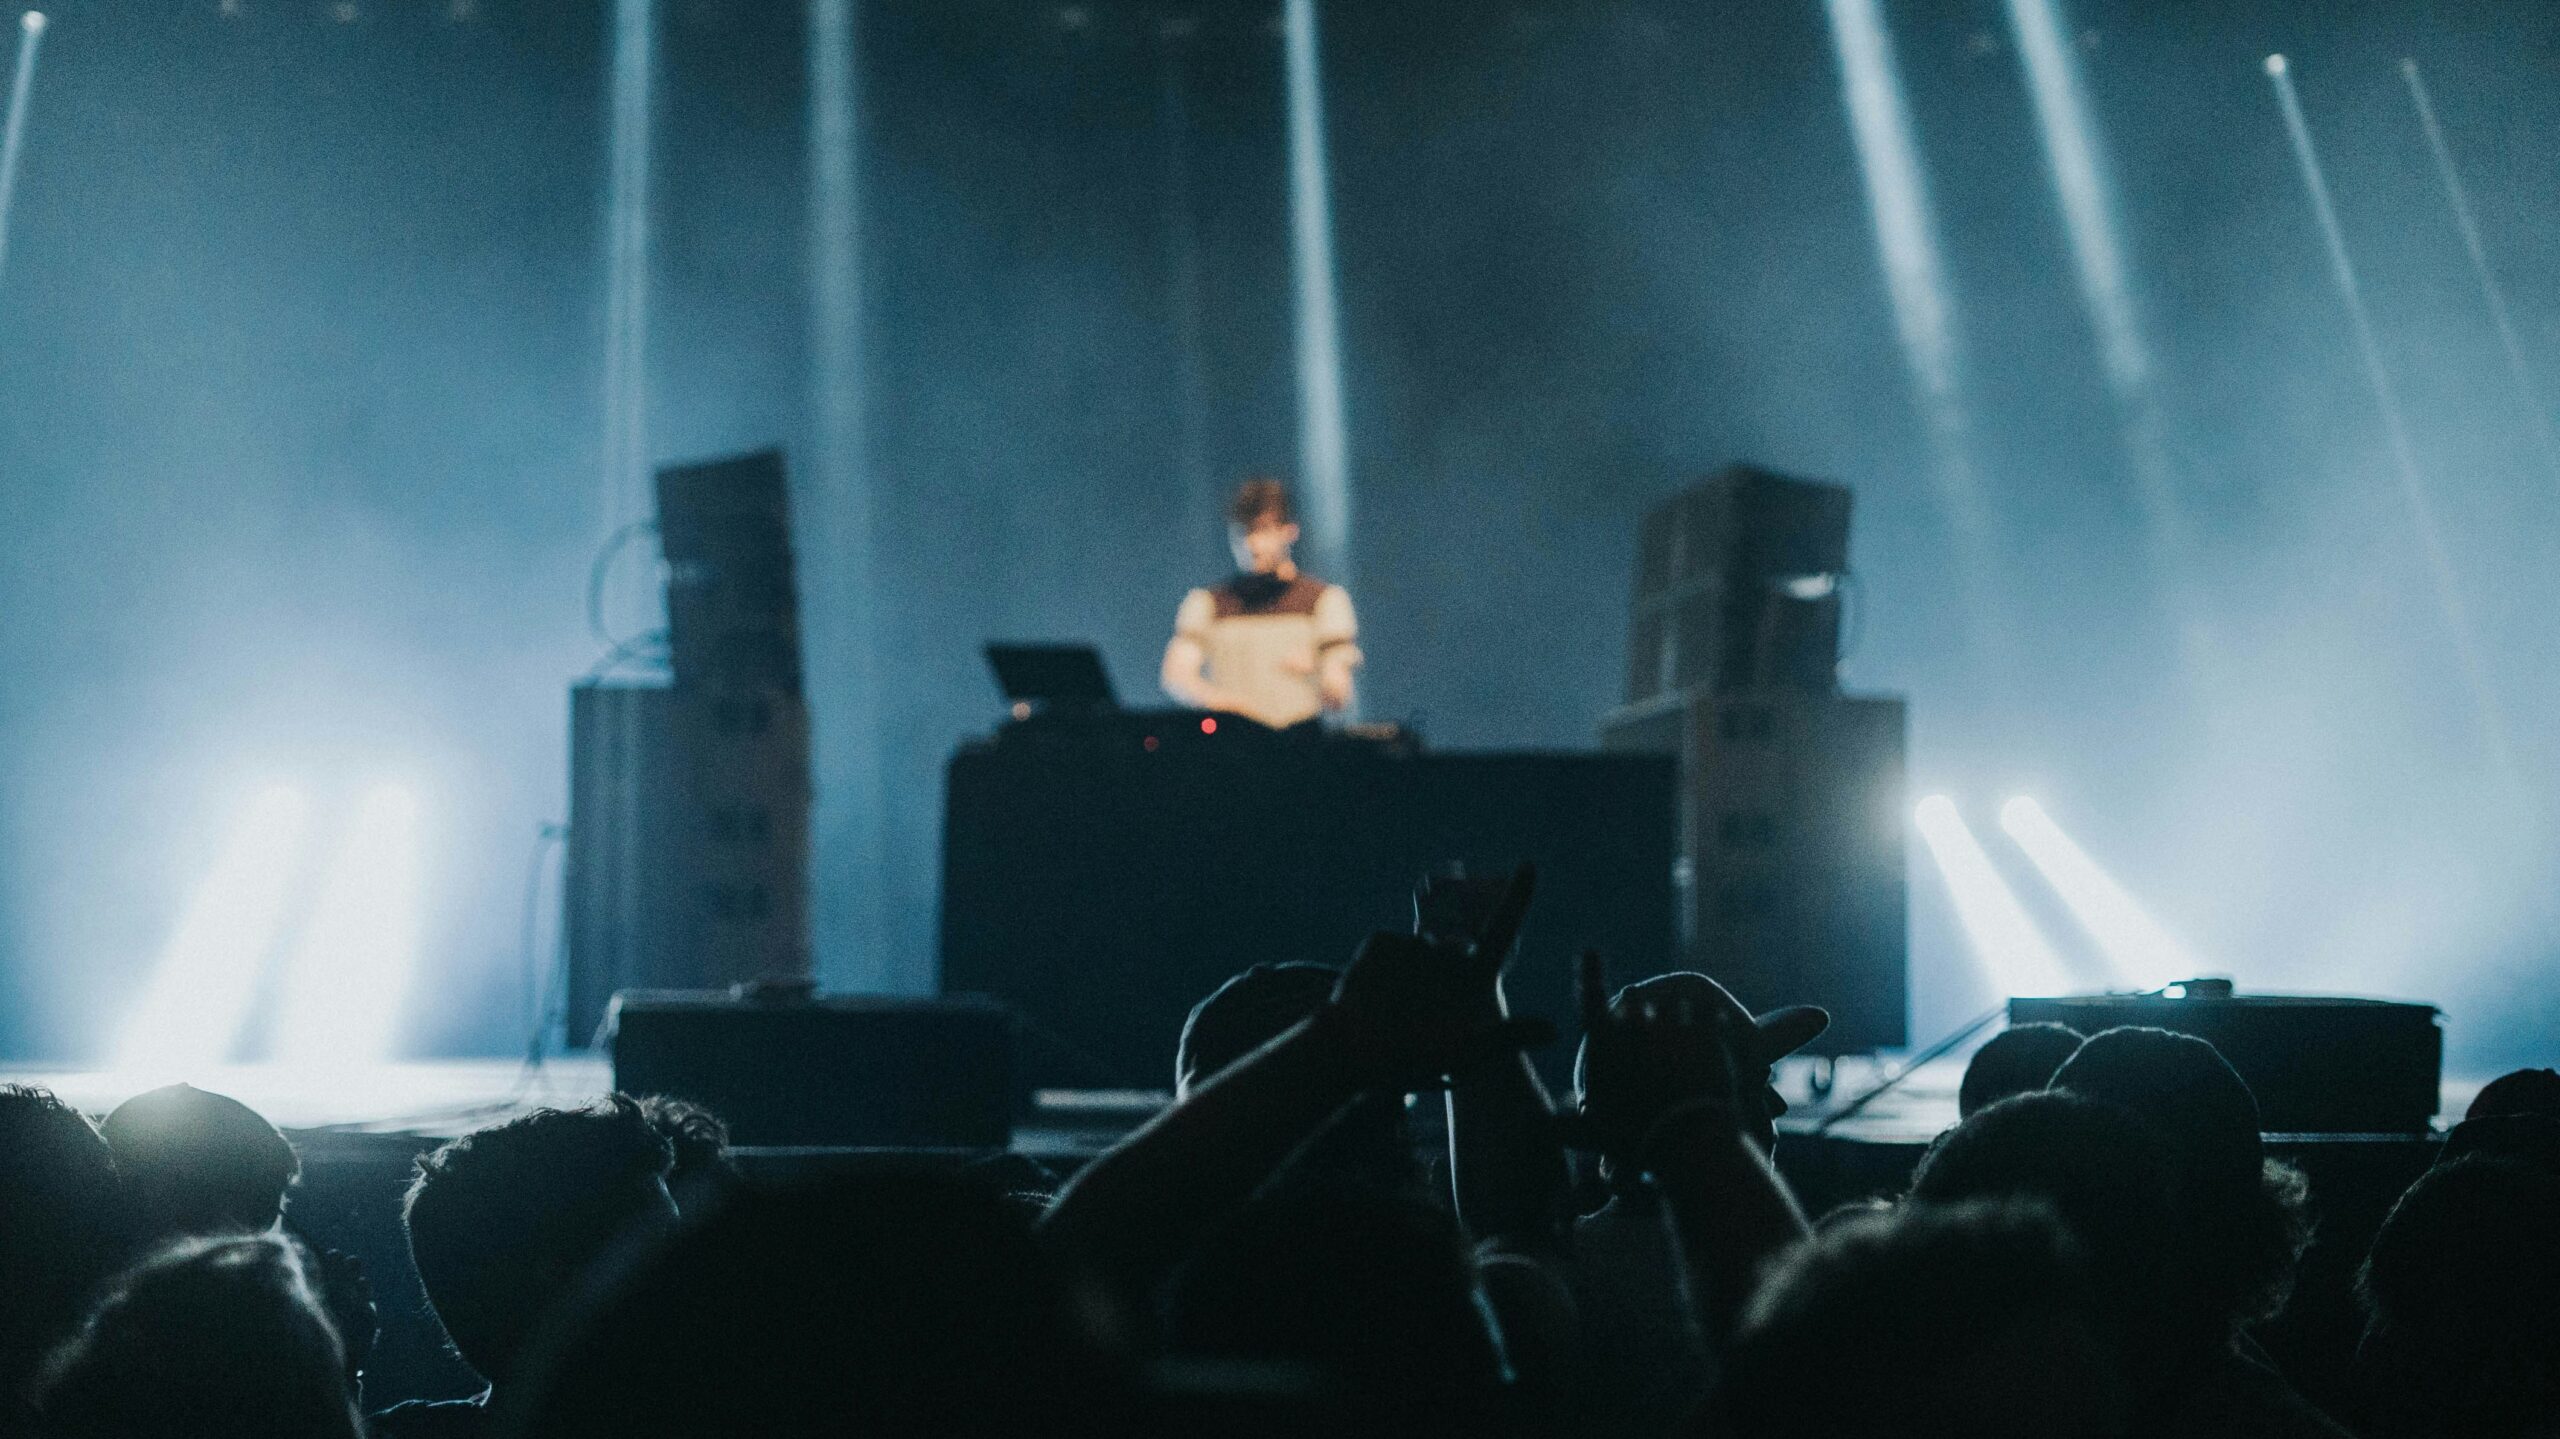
[(1150, 743), (1209, 724)]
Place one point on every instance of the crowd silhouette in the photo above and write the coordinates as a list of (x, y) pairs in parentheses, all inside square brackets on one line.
[(2092, 1251)]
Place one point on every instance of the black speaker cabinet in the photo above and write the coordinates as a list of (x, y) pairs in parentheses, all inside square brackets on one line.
[(1791, 831), (921, 1073), (2318, 1065), (1736, 587)]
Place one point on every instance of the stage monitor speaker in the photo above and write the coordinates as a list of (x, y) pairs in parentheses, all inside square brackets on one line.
[(843, 1071), (1737, 587), (1791, 831), (2318, 1065)]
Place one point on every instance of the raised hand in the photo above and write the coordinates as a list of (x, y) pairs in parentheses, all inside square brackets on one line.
[(1651, 1059), (1418, 1008)]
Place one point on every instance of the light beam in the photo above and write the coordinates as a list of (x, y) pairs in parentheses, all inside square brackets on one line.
[(1323, 442), (200, 988), (351, 965), (1906, 239), (2142, 954), (2538, 415), (625, 478), (13, 130), (2014, 953), (852, 808), (2386, 397), (2085, 191)]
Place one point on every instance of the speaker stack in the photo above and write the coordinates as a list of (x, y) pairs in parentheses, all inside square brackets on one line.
[(688, 857), (1791, 879)]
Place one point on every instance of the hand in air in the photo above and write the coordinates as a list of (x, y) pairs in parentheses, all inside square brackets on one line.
[(1649, 1060), (1416, 1009)]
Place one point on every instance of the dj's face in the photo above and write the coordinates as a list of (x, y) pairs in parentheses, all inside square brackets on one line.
[(1264, 548)]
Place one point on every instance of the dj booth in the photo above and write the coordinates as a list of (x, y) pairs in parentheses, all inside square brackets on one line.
[(1103, 871)]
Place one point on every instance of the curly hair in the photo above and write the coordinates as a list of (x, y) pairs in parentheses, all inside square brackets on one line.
[(503, 1221)]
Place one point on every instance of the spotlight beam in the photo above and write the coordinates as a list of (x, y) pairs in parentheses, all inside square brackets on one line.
[(201, 986), (1906, 241), (351, 965), (2004, 937), (852, 808), (2386, 396), (13, 130), (2142, 954), (2490, 290), (2085, 192), (1323, 443), (626, 419)]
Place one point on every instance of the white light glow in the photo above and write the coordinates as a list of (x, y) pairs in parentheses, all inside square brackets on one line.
[(1915, 280), (1324, 461), (207, 972), (13, 130), (2142, 954), (2004, 937), (350, 969)]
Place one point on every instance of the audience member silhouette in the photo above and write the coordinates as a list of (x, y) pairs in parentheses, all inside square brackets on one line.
[(2107, 1177), (2018, 1060), (1369, 1297), (505, 1223), (62, 1231), (208, 1339), (2523, 1091), (1974, 1319), (1370, 1142), (903, 1304), (2240, 1220), (199, 1164), (2462, 1292), (1675, 1093)]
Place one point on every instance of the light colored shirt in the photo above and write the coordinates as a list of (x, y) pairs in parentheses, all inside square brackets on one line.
[(1265, 640)]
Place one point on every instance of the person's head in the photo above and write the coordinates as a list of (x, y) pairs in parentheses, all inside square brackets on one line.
[(61, 1226), (199, 1163), (2105, 1175), (1973, 1319), (1368, 1297), (210, 1338), (885, 1304), (1247, 1012), (700, 1143), (1775, 1035), (2518, 1092), (2460, 1292), (1369, 1140), (1262, 525), (505, 1223), (2019, 1060), (2244, 1218)]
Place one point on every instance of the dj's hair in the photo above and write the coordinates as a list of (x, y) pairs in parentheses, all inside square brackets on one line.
[(1261, 498)]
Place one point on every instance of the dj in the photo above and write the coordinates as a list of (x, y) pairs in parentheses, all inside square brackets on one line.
[(1272, 644)]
